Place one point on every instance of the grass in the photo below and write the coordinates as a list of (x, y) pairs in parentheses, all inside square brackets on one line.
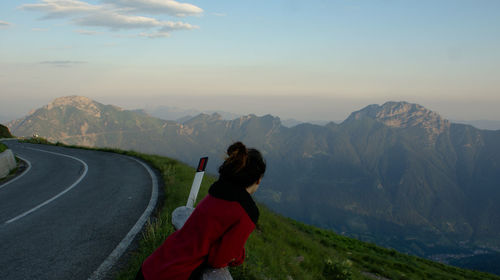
[(2, 147), (281, 248)]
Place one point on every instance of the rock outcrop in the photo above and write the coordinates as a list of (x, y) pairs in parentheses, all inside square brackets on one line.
[(7, 163), (404, 115)]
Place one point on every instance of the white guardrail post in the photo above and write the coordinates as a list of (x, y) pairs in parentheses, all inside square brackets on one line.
[(195, 188)]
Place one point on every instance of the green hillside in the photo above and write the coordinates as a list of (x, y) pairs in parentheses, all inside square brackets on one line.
[(2, 147), (281, 247)]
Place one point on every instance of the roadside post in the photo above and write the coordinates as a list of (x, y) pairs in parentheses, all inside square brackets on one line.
[(181, 214), (195, 188)]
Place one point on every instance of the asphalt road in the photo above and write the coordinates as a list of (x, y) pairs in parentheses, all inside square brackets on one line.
[(72, 214)]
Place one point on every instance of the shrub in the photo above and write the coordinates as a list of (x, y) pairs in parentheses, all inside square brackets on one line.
[(36, 140), (2, 147), (336, 270)]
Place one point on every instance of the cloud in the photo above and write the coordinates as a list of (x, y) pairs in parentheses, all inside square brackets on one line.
[(87, 32), (155, 35), (4, 24), (117, 21), (118, 15), (168, 7), (168, 26), (171, 26), (62, 63), (61, 8)]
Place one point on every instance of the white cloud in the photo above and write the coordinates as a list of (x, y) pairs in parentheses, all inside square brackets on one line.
[(87, 32), (171, 26), (168, 7), (168, 26), (4, 24), (61, 8), (117, 21), (155, 35), (62, 63), (117, 15)]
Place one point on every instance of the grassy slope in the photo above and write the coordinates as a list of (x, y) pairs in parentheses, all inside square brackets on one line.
[(2, 147), (281, 247)]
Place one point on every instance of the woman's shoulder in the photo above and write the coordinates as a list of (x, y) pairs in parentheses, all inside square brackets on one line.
[(213, 207), (214, 216), (216, 203)]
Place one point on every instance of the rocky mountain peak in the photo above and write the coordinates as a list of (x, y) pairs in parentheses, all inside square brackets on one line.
[(404, 115), (268, 120), (203, 117), (81, 103), (72, 100), (216, 116)]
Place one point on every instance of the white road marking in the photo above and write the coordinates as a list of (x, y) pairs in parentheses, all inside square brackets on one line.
[(108, 263), (86, 168), (22, 174)]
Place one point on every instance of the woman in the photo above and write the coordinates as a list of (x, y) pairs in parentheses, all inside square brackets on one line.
[(216, 232)]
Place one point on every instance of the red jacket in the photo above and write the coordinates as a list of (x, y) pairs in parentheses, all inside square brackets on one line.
[(215, 233)]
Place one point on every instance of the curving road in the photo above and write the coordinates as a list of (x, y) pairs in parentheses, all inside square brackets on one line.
[(72, 213)]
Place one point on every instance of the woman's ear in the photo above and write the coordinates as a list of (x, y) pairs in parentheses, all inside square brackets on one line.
[(258, 181)]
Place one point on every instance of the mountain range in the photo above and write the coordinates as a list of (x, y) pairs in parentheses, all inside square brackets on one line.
[(396, 174), (482, 124), (180, 115)]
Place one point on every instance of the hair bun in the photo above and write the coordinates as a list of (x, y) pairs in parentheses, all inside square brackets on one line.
[(237, 148), (237, 156)]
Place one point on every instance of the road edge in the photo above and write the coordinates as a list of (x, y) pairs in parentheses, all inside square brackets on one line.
[(121, 248)]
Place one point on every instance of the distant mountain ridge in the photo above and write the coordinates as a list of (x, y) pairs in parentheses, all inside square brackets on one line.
[(397, 174), (77, 119), (181, 115), (482, 124)]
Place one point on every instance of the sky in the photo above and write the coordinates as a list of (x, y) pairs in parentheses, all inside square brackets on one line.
[(308, 60)]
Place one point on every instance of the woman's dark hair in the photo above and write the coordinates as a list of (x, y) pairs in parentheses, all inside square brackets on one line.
[(242, 166)]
